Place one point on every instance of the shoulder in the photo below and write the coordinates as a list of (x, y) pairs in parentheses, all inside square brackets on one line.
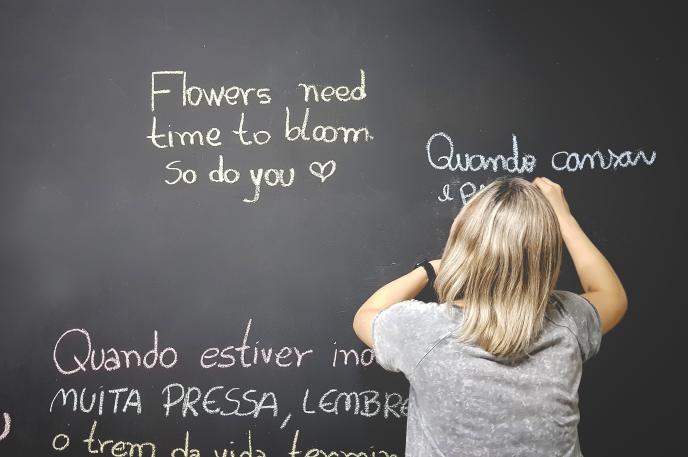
[(574, 305), (409, 306), (580, 316), (412, 321), (412, 312), (404, 332)]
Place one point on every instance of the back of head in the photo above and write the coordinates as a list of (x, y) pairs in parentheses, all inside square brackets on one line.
[(502, 259)]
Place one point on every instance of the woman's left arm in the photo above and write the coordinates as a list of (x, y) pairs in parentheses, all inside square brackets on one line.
[(403, 288)]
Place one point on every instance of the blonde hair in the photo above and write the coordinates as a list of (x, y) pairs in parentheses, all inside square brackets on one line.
[(502, 258)]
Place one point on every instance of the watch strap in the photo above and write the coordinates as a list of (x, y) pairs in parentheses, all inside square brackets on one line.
[(429, 269)]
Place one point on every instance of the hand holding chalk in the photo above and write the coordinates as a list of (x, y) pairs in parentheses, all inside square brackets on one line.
[(555, 195)]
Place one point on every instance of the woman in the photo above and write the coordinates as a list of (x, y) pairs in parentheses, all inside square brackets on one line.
[(494, 367)]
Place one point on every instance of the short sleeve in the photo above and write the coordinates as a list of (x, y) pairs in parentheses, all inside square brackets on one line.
[(402, 335), (586, 322)]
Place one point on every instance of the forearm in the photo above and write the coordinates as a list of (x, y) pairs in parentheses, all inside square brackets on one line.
[(594, 271), (403, 288)]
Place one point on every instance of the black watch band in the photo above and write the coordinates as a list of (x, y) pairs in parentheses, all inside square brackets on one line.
[(428, 269)]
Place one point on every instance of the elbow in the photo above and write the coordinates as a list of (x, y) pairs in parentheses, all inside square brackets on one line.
[(622, 305), (623, 300), (354, 324)]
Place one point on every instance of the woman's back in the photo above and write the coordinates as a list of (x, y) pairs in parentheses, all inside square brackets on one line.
[(501, 261), (465, 401)]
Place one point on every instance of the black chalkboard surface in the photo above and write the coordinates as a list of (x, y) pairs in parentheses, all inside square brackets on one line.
[(198, 196)]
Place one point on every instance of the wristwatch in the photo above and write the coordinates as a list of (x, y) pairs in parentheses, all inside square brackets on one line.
[(425, 263)]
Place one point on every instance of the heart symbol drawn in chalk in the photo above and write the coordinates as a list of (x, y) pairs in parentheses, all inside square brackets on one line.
[(320, 174)]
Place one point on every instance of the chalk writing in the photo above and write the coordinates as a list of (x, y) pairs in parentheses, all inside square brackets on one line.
[(324, 133), (172, 86), (316, 452), (111, 359), (6, 427), (318, 169), (477, 162), (272, 177), (246, 356), (561, 161), (195, 96), (365, 358), (188, 175), (342, 93), (234, 401), (260, 137), (366, 403), (79, 402), (249, 451), (172, 138), (117, 448), (572, 161), (466, 191), (60, 442), (229, 176)]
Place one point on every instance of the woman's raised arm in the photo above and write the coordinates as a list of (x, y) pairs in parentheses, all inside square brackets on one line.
[(600, 282)]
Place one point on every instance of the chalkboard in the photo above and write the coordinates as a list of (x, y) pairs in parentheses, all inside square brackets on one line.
[(198, 196)]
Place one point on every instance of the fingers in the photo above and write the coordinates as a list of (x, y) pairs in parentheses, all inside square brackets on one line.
[(543, 182), (540, 183)]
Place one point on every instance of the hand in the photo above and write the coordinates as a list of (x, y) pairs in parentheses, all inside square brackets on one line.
[(436, 264), (555, 195)]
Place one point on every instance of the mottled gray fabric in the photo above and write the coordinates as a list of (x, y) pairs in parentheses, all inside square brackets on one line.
[(465, 402)]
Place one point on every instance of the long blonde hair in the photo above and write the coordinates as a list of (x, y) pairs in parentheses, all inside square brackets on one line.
[(502, 259)]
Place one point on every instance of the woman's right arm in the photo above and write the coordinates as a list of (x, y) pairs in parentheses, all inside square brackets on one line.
[(599, 280)]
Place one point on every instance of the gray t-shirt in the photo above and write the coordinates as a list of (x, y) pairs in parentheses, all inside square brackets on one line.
[(465, 402)]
